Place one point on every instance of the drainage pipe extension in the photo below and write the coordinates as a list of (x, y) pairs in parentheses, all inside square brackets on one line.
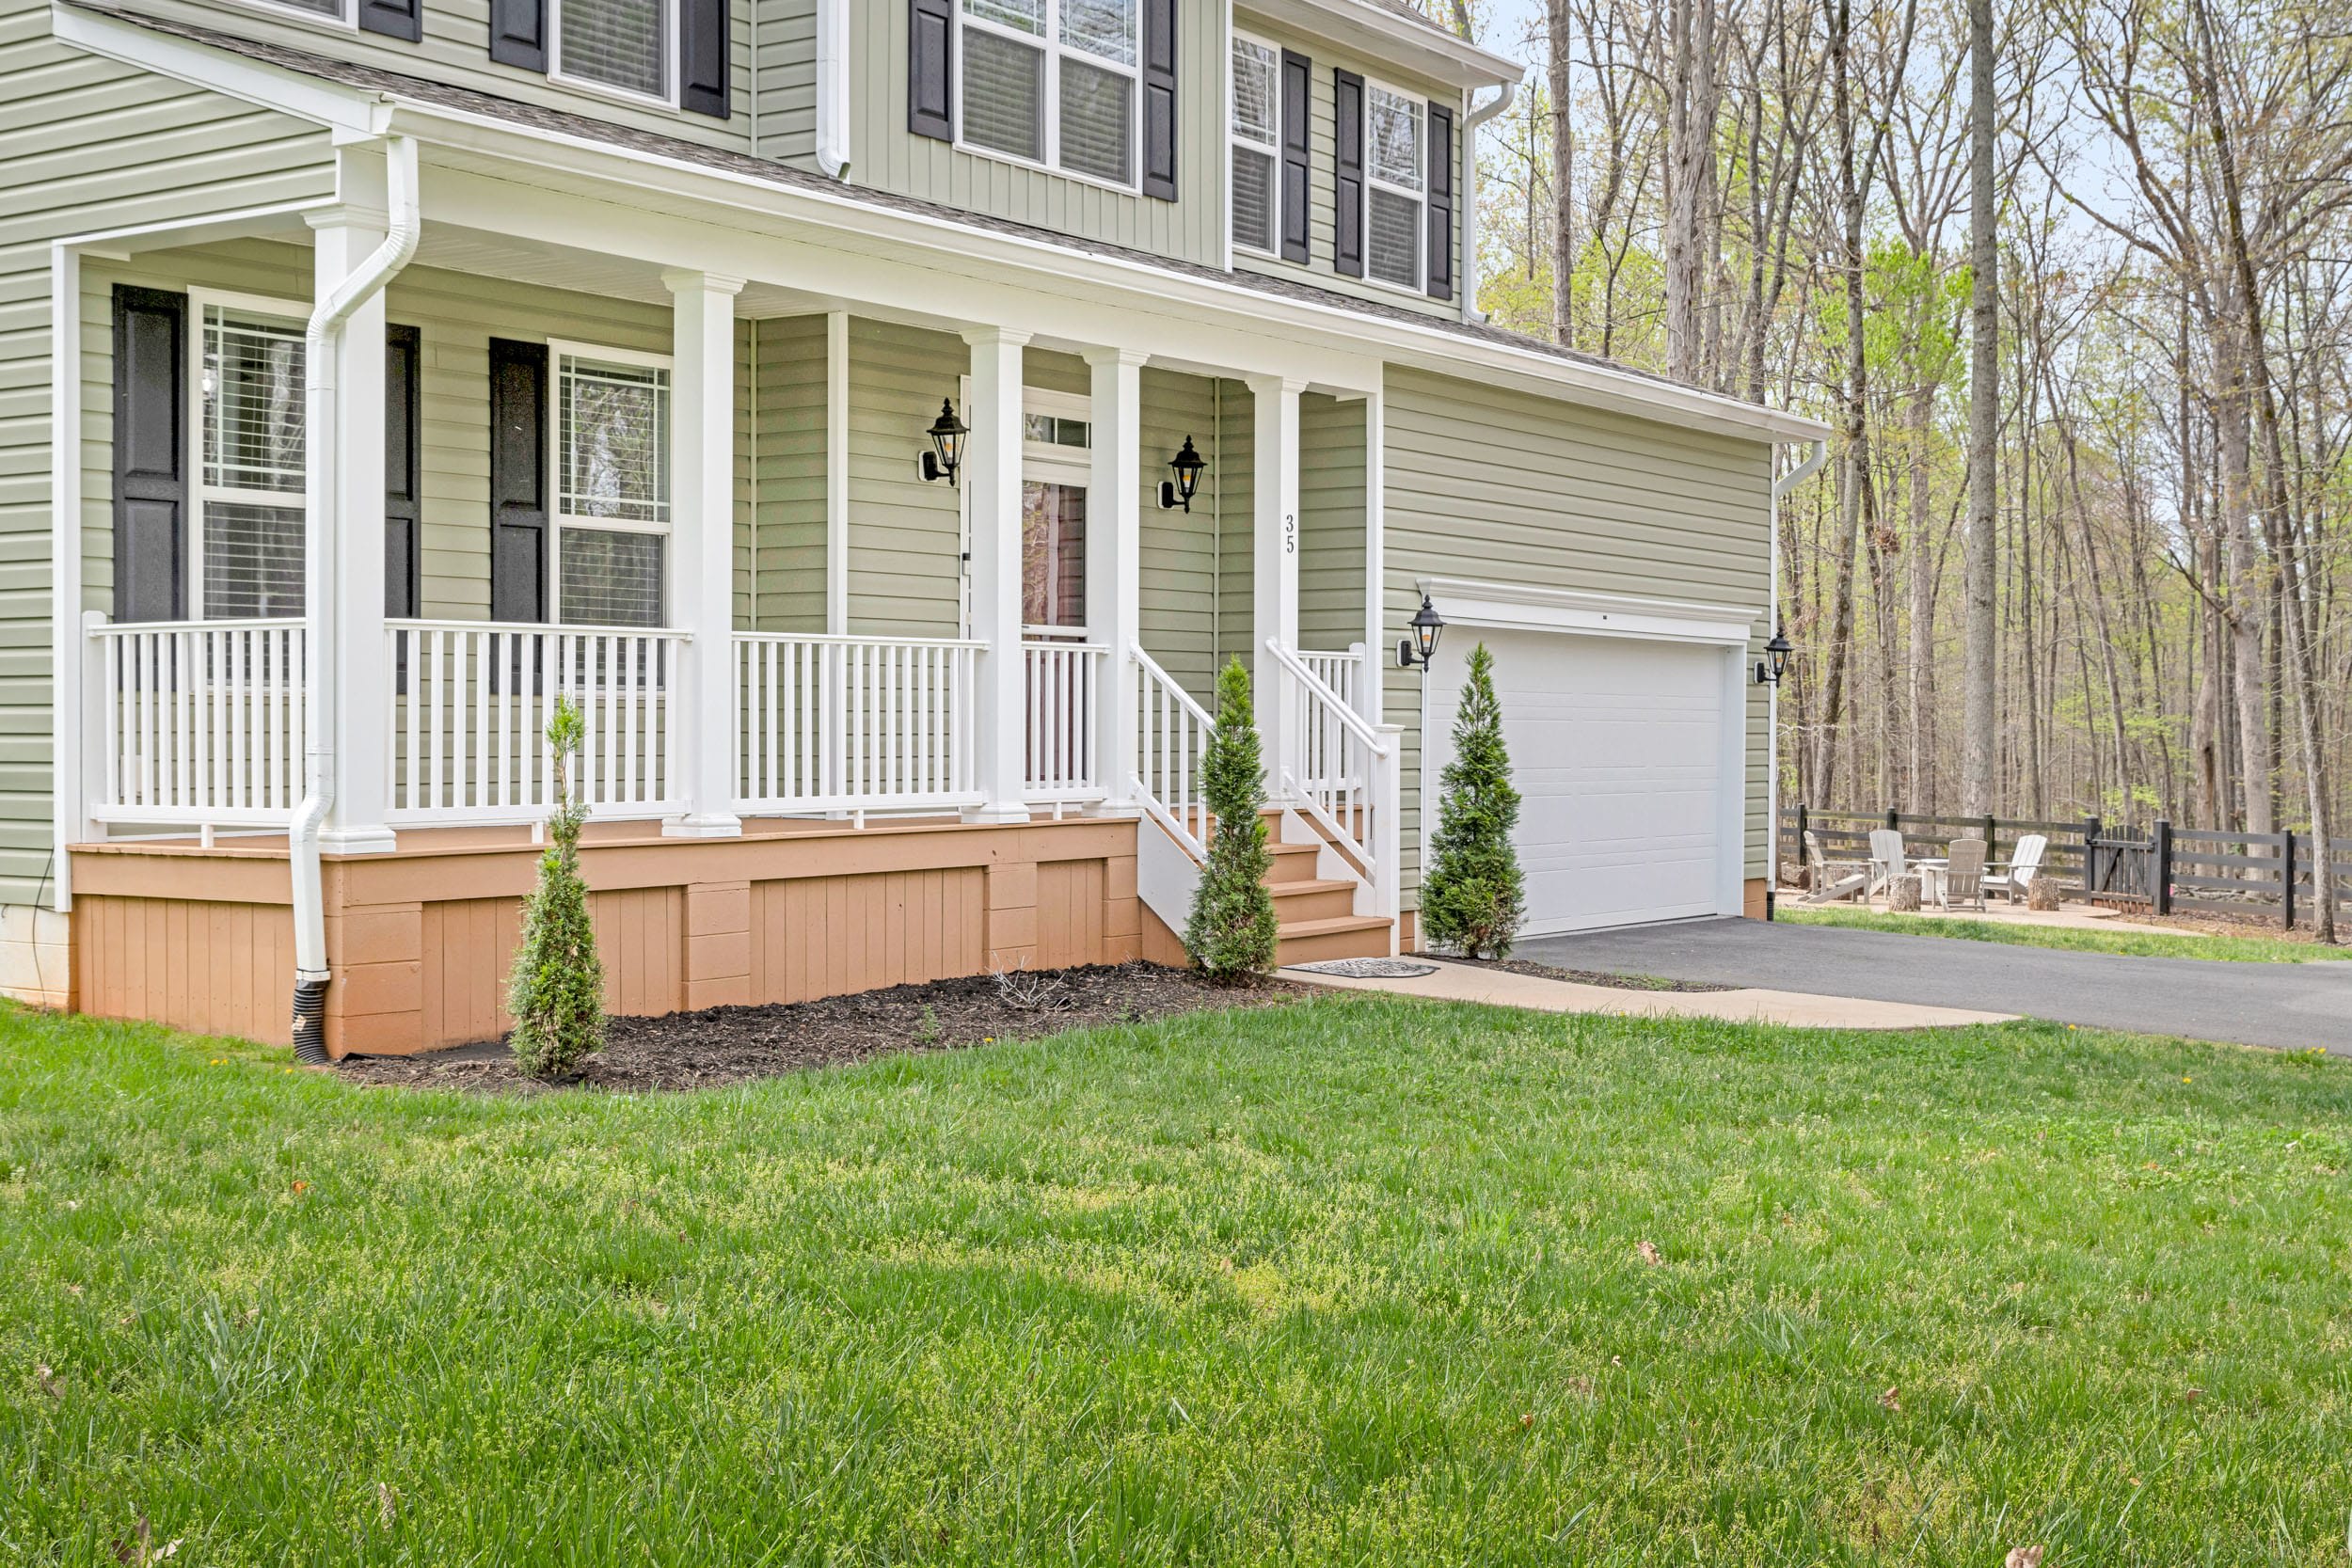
[(1466, 187), (322, 486)]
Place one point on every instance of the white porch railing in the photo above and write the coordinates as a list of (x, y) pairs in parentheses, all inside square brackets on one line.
[(1172, 741), (1343, 773), (198, 722), (1342, 671), (1059, 753), (1322, 756), (853, 724), (469, 715)]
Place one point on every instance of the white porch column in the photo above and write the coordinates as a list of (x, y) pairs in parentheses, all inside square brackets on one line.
[(1273, 537), (702, 543), (342, 238), (991, 498), (1114, 560)]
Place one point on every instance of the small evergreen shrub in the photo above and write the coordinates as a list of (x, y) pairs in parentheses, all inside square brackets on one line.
[(1474, 897), (556, 991), (1231, 932)]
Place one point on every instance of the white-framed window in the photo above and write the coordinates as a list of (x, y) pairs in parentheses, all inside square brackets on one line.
[(1255, 134), (1054, 83), (324, 13), (247, 426), (1395, 185), (611, 444), (627, 47)]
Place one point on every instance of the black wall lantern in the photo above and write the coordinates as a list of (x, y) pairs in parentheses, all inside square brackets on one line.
[(946, 453), (1776, 652), (1421, 646), (1189, 466)]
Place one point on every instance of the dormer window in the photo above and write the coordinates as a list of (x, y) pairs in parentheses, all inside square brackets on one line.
[(1394, 186), (1053, 82)]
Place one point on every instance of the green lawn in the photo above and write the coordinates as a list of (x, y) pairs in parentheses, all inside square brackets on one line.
[(2138, 945), (1353, 1282)]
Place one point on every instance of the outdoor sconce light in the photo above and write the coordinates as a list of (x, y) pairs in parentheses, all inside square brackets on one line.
[(1421, 646), (1188, 464), (1777, 651), (946, 453)]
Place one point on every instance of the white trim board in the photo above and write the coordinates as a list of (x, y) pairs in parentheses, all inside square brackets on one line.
[(1518, 607)]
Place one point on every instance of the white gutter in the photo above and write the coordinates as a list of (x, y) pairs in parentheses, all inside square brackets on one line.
[(1467, 185), (322, 481), (1781, 486), (833, 87)]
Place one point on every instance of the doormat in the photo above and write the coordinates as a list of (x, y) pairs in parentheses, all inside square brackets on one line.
[(1368, 968)]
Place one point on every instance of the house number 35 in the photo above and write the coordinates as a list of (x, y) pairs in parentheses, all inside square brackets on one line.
[(1289, 534)]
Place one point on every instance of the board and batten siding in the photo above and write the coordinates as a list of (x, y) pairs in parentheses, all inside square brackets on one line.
[(456, 49), (784, 80), (1508, 488), (1322, 221), (87, 145), (886, 155)]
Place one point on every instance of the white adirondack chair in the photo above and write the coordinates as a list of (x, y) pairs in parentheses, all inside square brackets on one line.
[(2021, 869), (1886, 859), (1833, 880)]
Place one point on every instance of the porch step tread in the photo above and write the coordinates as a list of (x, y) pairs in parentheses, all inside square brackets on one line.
[(1333, 925), (1310, 885)]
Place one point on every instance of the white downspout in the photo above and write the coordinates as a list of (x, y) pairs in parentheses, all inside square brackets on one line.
[(1469, 183), (321, 486), (1781, 486), (833, 87)]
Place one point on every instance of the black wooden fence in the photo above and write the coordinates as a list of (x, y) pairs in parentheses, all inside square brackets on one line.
[(2160, 869)]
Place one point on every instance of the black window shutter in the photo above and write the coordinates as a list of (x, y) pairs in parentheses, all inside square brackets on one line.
[(403, 470), (1347, 173), (518, 481), (518, 33), (930, 71), (151, 347), (1159, 99), (701, 54), (1441, 201), (394, 19), (1298, 92)]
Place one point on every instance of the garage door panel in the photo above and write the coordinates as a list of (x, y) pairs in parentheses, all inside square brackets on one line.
[(1616, 747)]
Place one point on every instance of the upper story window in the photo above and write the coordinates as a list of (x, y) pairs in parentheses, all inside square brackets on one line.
[(612, 486), (1257, 150), (250, 467), (1394, 186), (1053, 82), (620, 45)]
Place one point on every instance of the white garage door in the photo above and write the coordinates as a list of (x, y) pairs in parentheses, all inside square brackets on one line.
[(1617, 748)]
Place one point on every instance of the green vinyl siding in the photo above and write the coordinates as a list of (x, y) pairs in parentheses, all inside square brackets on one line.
[(1330, 522), (886, 155), (784, 85), (1501, 486), (1324, 58), (905, 571), (456, 49), (88, 145), (1236, 493), (1180, 548), (787, 573)]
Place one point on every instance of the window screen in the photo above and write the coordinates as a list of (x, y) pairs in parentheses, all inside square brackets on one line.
[(608, 578), (1393, 200), (620, 44), (252, 561), (1053, 82), (1098, 115), (250, 485), (1004, 95), (1395, 232), (614, 437), (1257, 105)]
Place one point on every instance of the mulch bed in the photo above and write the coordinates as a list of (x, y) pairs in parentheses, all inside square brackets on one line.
[(1590, 976), (735, 1045)]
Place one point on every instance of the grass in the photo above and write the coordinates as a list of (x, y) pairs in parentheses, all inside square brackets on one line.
[(1353, 1282), (2138, 945)]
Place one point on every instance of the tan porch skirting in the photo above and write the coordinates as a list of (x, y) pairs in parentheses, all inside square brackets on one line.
[(419, 940)]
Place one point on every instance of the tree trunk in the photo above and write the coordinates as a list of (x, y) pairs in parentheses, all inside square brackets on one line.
[(1980, 569)]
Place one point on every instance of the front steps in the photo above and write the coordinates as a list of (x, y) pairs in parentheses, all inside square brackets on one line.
[(1317, 918)]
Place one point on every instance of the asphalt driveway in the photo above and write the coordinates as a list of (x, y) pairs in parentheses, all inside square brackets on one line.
[(2294, 1005)]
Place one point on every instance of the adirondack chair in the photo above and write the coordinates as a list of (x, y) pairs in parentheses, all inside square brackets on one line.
[(1962, 880), (1886, 859), (1833, 879), (2014, 880)]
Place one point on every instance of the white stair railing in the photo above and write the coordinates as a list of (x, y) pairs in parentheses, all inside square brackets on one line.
[(1344, 773), (1172, 741), (469, 713), (1058, 752), (200, 723), (1324, 758), (853, 724)]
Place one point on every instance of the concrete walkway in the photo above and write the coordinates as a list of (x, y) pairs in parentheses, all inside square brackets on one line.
[(2292, 1004), (1502, 987)]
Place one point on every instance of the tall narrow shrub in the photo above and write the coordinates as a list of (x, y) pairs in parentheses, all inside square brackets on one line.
[(1231, 931), (556, 993), (1473, 898)]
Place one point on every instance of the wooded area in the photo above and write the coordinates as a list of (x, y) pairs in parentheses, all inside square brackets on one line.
[(1774, 198)]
